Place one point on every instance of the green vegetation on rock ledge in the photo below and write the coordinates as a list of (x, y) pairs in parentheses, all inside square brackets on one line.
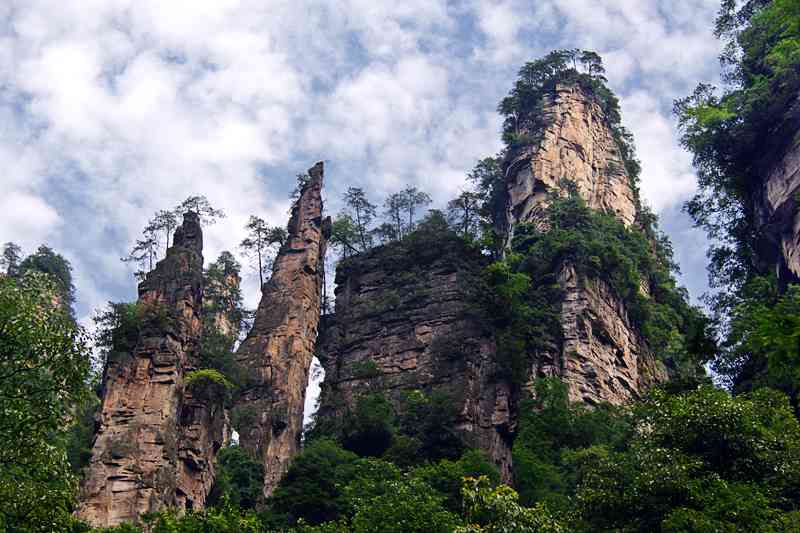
[(525, 301)]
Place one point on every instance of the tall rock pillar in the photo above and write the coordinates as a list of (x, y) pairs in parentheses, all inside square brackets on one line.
[(602, 357), (136, 457), (280, 346)]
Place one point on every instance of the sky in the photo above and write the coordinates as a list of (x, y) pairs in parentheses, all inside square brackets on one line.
[(113, 109)]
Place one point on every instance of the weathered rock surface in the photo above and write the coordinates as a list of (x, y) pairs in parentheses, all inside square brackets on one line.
[(578, 145), (775, 202), (602, 358), (410, 315), (280, 346), (147, 452)]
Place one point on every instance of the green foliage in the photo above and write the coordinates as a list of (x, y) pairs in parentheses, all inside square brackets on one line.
[(48, 262), (525, 298), (117, 332), (239, 481), (551, 429), (762, 347), (44, 375), (697, 459), (406, 506), (728, 133), (366, 369), (80, 435), (418, 428), (447, 477), (312, 488), (201, 207), (495, 509), (208, 384), (429, 419), (369, 429)]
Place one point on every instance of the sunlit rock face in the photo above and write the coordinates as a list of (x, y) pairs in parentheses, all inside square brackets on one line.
[(156, 443), (406, 320), (601, 358), (577, 147), (277, 352)]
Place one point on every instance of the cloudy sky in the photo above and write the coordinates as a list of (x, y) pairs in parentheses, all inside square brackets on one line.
[(112, 109)]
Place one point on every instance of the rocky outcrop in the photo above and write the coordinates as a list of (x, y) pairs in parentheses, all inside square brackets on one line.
[(406, 320), (277, 352), (776, 201), (576, 146), (148, 452), (601, 358)]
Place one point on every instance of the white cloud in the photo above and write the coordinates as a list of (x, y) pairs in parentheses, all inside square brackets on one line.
[(111, 109)]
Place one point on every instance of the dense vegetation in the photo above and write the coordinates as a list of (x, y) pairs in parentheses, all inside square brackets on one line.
[(526, 295), (729, 132), (687, 457), (45, 370)]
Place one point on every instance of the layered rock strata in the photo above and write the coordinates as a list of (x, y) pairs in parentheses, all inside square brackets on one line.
[(148, 452), (278, 350), (602, 358), (405, 321)]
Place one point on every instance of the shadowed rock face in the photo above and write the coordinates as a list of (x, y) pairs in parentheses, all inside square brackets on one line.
[(601, 358), (277, 352), (148, 452), (776, 204), (411, 320)]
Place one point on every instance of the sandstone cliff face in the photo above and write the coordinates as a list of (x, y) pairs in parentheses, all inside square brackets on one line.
[(143, 457), (277, 352), (775, 202), (602, 358), (409, 317), (578, 146)]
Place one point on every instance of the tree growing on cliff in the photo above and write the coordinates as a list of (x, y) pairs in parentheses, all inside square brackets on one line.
[(413, 200), (165, 221), (144, 253), (10, 259), (393, 209), (202, 207), (463, 214), (362, 212), (261, 239)]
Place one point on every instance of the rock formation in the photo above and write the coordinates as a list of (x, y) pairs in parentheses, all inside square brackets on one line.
[(577, 146), (409, 315), (277, 352), (775, 201), (407, 310), (155, 444), (602, 358)]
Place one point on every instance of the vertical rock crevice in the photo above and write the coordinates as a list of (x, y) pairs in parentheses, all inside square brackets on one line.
[(278, 350)]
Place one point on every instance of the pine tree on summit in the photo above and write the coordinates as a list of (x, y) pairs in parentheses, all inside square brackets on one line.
[(200, 205), (260, 239)]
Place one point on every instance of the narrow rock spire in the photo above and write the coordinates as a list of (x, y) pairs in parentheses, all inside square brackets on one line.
[(136, 456), (280, 346)]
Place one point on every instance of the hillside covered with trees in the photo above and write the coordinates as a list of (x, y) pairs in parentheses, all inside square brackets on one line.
[(613, 403)]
